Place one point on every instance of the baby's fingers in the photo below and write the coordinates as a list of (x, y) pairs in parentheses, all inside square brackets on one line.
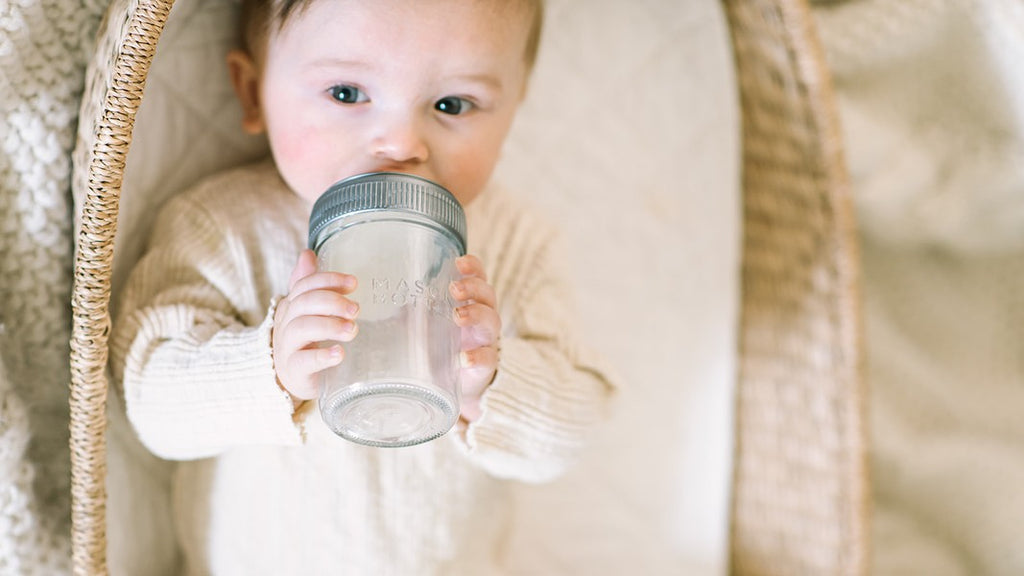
[(320, 303), (470, 265), (480, 325), (304, 331), (336, 281), (476, 289), (305, 266), (303, 365), (304, 347), (478, 368)]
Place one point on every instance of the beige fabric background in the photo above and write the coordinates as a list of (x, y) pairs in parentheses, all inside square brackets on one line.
[(631, 135)]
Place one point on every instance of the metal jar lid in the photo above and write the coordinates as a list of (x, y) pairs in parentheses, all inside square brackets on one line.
[(388, 191)]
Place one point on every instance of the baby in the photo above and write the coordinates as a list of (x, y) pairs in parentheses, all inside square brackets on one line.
[(217, 340)]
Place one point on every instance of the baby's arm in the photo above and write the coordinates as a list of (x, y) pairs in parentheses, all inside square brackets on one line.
[(548, 393), (191, 348)]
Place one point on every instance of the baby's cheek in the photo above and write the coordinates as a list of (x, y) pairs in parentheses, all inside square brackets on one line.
[(301, 162), (469, 167), (469, 175), (290, 146)]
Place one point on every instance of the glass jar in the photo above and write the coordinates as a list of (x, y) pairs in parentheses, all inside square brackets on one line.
[(399, 234)]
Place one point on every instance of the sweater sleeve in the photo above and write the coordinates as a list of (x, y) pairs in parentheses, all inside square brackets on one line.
[(549, 392), (191, 350)]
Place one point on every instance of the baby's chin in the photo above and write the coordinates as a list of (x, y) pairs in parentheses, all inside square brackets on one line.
[(308, 191), (310, 196), (465, 198)]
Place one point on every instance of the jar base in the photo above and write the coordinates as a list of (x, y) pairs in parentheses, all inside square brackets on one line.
[(389, 414)]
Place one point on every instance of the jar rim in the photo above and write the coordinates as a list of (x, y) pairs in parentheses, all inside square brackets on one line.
[(388, 191)]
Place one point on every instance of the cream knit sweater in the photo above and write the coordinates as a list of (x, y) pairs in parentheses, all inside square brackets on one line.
[(263, 490)]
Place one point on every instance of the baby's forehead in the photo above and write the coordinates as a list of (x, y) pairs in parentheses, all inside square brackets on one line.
[(261, 19), (280, 12)]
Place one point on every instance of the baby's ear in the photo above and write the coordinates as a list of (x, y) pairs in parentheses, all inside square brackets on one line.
[(245, 78)]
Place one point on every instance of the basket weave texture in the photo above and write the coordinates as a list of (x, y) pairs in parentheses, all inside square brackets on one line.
[(127, 43), (800, 495), (800, 484)]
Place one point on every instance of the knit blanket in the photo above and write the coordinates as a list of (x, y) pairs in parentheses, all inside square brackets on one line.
[(44, 47)]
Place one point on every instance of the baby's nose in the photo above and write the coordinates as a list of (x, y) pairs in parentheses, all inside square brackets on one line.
[(401, 142)]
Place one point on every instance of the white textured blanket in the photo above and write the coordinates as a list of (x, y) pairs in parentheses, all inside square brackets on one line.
[(44, 46)]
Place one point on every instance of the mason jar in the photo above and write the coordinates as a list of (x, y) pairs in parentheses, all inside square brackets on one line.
[(399, 234)]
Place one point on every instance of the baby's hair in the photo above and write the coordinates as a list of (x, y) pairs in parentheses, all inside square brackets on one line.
[(258, 15)]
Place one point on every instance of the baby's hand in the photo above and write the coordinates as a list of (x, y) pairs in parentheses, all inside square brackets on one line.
[(481, 326), (309, 325)]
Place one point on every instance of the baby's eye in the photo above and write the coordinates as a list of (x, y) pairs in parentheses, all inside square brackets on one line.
[(347, 94), (453, 105)]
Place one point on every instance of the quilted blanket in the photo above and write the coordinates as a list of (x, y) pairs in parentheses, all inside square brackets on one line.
[(44, 47)]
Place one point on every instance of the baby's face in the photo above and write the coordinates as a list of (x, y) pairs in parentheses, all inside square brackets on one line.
[(426, 87)]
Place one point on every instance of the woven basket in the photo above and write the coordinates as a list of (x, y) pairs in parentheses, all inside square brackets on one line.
[(800, 494)]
